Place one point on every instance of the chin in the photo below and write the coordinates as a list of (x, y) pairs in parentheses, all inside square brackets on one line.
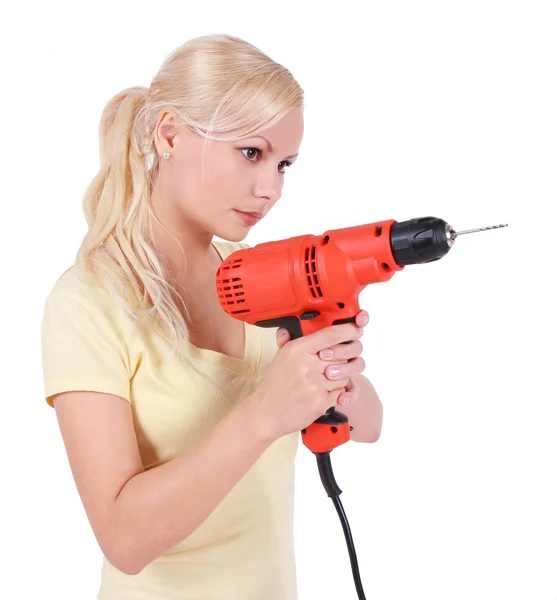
[(232, 231), (231, 235)]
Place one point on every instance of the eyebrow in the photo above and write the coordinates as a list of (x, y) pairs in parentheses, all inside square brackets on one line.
[(269, 145)]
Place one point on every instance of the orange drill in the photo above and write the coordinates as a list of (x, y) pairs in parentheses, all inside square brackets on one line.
[(310, 282)]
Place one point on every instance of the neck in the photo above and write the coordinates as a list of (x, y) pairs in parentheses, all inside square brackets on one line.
[(184, 247)]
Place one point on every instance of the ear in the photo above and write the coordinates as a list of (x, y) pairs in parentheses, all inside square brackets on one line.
[(165, 132)]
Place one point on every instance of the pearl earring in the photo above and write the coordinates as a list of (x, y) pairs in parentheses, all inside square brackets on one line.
[(166, 155)]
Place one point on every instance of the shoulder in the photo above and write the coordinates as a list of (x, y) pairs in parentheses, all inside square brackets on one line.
[(75, 290), (72, 283)]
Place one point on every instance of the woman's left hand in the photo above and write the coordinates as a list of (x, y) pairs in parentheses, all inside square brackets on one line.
[(341, 354)]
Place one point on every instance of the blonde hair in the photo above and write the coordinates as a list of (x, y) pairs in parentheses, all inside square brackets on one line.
[(213, 83)]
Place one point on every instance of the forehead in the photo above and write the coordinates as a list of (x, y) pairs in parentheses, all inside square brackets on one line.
[(285, 135), (290, 126)]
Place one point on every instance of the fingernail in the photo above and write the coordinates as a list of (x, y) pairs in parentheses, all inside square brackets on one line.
[(334, 372), (326, 353), (364, 319)]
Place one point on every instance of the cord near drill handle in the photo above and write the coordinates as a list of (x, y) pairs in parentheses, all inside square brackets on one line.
[(328, 431)]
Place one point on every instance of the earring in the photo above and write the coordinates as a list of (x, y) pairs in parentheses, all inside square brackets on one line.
[(166, 155)]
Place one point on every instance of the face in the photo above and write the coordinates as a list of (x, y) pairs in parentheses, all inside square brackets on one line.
[(205, 182)]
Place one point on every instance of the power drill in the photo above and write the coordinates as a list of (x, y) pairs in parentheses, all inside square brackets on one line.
[(310, 282)]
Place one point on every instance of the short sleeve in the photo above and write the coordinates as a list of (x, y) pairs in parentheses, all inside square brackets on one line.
[(81, 349)]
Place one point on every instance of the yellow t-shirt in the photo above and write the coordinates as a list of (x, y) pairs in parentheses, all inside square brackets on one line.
[(245, 549)]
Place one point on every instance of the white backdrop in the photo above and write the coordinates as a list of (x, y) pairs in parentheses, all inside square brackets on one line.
[(413, 109)]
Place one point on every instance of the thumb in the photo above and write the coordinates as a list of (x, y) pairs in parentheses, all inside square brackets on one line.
[(282, 336)]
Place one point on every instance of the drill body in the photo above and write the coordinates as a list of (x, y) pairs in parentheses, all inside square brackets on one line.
[(310, 282)]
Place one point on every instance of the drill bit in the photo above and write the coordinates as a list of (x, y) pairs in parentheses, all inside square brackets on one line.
[(480, 229), (451, 233)]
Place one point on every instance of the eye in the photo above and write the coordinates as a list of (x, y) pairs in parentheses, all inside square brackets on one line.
[(284, 162), (256, 149)]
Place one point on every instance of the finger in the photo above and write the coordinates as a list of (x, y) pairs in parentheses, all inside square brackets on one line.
[(351, 368), (362, 318), (351, 393), (350, 386), (331, 336), (283, 336), (342, 351), (346, 398), (338, 386)]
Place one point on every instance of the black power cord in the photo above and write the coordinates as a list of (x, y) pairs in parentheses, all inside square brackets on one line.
[(333, 491)]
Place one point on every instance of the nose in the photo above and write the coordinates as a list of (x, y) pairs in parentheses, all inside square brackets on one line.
[(268, 185)]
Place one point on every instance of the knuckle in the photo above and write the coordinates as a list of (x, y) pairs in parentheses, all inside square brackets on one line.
[(334, 385), (306, 371), (288, 349), (334, 335), (315, 391), (353, 350), (340, 332)]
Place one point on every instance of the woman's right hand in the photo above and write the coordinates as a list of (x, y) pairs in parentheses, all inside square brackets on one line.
[(295, 391)]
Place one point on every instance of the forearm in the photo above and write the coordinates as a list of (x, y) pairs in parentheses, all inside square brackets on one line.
[(366, 414), (159, 508)]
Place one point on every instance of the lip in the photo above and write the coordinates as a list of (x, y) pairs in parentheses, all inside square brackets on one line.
[(250, 218)]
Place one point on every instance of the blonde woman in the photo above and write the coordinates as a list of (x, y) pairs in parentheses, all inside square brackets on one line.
[(181, 424)]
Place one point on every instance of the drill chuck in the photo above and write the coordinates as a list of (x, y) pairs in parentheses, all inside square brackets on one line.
[(421, 240)]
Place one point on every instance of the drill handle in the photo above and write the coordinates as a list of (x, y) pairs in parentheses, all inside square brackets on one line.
[(332, 428)]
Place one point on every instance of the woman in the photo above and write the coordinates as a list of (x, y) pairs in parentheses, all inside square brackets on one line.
[(181, 423)]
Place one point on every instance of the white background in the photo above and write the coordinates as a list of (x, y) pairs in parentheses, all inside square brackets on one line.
[(412, 109)]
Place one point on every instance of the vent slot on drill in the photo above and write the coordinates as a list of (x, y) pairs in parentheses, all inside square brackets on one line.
[(230, 289), (312, 278)]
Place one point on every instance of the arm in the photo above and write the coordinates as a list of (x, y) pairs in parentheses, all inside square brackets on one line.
[(366, 413), (159, 508), (137, 515)]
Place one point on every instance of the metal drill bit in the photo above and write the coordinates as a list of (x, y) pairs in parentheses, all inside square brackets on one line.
[(480, 229), (451, 233)]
